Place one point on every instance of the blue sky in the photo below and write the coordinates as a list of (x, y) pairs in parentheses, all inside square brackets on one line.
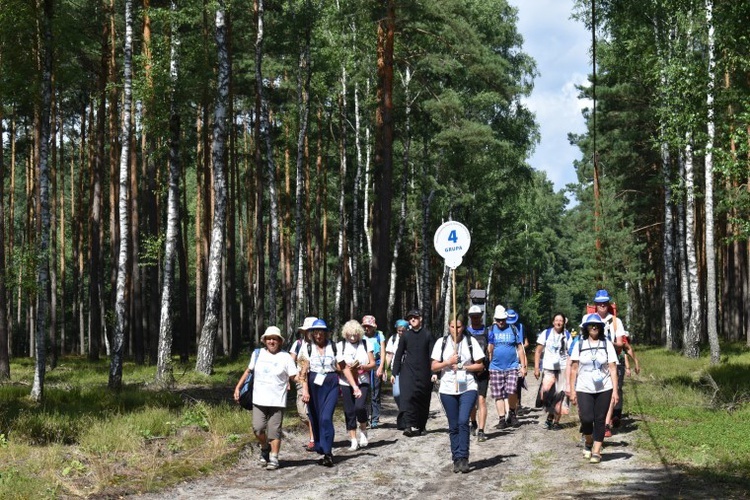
[(561, 48)]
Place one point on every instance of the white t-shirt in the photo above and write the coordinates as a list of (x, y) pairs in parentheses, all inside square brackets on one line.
[(319, 363), (593, 365), (392, 345), (613, 328), (459, 381), (348, 353), (555, 355), (271, 374)]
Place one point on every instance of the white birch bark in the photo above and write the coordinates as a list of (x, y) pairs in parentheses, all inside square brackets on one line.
[(205, 357), (164, 374), (270, 169), (366, 216), (406, 80), (691, 342), (711, 307), (37, 390), (356, 245), (121, 305), (300, 306), (342, 212)]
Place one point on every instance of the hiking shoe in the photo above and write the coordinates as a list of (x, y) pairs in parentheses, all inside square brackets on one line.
[(457, 466), (264, 456), (513, 419), (586, 451), (548, 424), (595, 458), (502, 424), (411, 432), (326, 461), (354, 446), (474, 427), (363, 440), (374, 425), (273, 463), (607, 431), (481, 437), (310, 446), (464, 465), (556, 426)]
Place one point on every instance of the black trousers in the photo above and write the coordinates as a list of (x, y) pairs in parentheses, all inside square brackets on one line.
[(592, 410)]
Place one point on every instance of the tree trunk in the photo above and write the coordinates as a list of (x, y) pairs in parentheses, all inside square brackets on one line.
[(121, 312), (711, 307), (383, 168), (300, 305), (691, 342), (37, 391), (164, 374), (270, 169), (4, 344), (404, 187), (205, 359), (340, 290)]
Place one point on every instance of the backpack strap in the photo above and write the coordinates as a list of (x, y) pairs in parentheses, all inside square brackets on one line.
[(254, 357), (468, 341)]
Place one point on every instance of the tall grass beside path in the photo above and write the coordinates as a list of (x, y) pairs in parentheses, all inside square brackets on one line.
[(693, 415), (85, 440)]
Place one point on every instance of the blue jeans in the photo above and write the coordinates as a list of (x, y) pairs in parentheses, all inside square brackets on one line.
[(457, 409), (375, 394)]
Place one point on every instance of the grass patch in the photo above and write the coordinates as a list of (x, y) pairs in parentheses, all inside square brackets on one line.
[(85, 440), (693, 414)]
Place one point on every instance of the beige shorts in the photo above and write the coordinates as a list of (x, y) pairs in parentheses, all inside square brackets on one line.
[(268, 419)]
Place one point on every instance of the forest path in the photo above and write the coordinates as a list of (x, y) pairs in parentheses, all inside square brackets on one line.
[(526, 461)]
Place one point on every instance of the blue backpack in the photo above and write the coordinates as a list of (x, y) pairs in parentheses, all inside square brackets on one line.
[(246, 391)]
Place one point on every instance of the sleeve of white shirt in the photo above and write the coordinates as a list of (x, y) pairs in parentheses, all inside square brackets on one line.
[(611, 353)]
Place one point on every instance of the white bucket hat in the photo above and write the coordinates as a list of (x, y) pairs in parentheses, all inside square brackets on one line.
[(272, 331), (500, 313)]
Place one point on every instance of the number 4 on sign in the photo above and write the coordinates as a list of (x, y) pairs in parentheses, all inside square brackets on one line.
[(453, 237)]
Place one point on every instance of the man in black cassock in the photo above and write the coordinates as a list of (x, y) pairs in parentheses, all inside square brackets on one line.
[(412, 364)]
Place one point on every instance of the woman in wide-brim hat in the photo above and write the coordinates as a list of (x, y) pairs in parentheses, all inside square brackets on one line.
[(593, 376), (320, 390)]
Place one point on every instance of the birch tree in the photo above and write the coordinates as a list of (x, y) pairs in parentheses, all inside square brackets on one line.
[(205, 358), (37, 390), (121, 303), (164, 374), (711, 288)]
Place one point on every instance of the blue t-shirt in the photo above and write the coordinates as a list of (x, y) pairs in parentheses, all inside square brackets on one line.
[(374, 343), (505, 353)]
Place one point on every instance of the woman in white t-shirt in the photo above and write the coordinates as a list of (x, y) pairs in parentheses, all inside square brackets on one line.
[(320, 388), (593, 375), (358, 356), (458, 387), (552, 354), (273, 369)]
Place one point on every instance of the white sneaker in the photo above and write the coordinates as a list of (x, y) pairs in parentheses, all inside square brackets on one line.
[(354, 446), (363, 439)]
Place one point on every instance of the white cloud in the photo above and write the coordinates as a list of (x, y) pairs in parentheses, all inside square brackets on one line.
[(560, 47)]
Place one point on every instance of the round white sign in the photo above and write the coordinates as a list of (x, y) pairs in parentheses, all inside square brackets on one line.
[(452, 241)]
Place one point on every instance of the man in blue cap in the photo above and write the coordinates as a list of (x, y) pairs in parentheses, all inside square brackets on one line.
[(615, 331), (521, 383)]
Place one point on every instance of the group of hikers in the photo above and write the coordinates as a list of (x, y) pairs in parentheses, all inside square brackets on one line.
[(584, 370)]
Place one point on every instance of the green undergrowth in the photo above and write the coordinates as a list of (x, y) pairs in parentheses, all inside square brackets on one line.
[(694, 414), (87, 441)]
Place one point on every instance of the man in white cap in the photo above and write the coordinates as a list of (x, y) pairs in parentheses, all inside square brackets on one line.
[(508, 362), (272, 369), (479, 413), (302, 366)]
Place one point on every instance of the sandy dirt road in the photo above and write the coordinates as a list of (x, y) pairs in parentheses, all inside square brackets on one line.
[(525, 461)]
